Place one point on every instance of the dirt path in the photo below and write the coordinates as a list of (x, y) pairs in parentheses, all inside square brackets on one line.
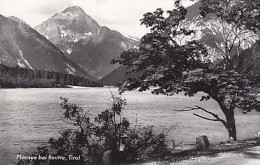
[(248, 156)]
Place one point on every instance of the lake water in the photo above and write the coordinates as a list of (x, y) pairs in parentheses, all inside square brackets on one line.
[(29, 117)]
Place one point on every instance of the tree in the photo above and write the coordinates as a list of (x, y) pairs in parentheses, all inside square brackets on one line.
[(172, 67)]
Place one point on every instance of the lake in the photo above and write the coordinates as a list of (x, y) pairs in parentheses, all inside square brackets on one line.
[(29, 117)]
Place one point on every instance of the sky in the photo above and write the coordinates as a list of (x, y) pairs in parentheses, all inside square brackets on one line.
[(120, 15)]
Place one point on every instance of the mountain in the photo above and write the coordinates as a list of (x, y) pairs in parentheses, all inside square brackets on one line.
[(17, 20), (209, 31), (84, 41), (20, 45), (249, 60), (115, 77)]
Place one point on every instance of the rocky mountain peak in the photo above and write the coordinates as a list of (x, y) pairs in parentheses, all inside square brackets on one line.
[(73, 13), (70, 25), (74, 10)]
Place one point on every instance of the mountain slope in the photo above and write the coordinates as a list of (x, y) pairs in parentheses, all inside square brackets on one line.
[(17, 19), (84, 41), (22, 46), (249, 60), (116, 77), (209, 31)]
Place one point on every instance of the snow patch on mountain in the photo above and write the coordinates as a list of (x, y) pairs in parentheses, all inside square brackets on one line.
[(20, 63), (88, 34), (123, 45), (63, 33), (24, 60), (69, 51), (70, 69)]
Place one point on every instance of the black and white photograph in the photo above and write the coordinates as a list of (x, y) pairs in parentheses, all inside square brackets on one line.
[(130, 82)]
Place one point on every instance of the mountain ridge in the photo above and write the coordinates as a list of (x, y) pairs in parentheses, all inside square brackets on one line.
[(25, 47)]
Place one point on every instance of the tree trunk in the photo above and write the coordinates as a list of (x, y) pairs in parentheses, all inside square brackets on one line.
[(230, 120), (231, 125)]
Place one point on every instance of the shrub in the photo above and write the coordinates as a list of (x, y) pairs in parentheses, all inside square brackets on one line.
[(109, 130)]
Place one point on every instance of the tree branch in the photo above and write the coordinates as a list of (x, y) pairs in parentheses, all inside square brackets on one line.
[(185, 109), (214, 115), (200, 108), (205, 117)]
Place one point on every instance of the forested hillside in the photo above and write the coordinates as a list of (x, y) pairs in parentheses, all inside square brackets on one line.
[(12, 77)]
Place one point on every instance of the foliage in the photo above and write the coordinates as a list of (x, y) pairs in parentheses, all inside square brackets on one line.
[(109, 130), (171, 67), (239, 20), (241, 13), (160, 59)]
